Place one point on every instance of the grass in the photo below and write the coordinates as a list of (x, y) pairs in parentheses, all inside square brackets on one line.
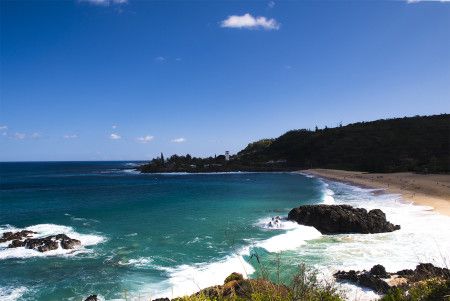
[(304, 286)]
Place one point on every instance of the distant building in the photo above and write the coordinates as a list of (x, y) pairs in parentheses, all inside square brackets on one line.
[(227, 155)]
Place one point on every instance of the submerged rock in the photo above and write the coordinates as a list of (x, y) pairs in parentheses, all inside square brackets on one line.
[(46, 243), (340, 219), (381, 281)]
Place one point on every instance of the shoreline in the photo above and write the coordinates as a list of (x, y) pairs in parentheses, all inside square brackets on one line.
[(422, 189)]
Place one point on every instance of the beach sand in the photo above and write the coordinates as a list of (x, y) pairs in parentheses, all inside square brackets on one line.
[(424, 189)]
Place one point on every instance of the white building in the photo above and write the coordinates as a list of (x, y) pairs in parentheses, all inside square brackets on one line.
[(227, 155)]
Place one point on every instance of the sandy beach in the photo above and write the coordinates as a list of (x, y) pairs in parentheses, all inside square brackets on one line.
[(423, 189)]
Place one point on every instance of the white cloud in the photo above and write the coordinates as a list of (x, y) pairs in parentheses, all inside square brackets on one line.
[(114, 126), (19, 136), (114, 136), (271, 4), (250, 22), (145, 139), (104, 2), (35, 135), (68, 136), (417, 1), (160, 59), (3, 127), (178, 140)]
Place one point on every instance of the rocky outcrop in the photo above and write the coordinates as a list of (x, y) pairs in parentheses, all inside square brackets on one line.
[(381, 281), (39, 244), (7, 236), (340, 219), (92, 298)]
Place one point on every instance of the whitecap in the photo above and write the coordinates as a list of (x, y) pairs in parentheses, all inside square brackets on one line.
[(12, 293), (290, 240), (187, 279), (138, 263)]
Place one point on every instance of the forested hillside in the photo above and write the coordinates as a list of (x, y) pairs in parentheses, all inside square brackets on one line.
[(420, 143)]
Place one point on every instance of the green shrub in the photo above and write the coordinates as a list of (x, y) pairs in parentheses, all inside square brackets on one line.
[(428, 290), (233, 276)]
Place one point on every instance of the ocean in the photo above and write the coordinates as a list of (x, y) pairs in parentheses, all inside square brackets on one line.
[(164, 235)]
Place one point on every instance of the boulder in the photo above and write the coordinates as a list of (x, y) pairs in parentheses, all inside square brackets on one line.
[(341, 219), (379, 271), (379, 280), (92, 298)]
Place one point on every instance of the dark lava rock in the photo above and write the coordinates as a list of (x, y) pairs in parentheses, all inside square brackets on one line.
[(16, 243), (92, 298), (7, 236), (340, 219), (424, 271), (364, 279), (161, 299), (379, 271), (375, 279), (47, 243)]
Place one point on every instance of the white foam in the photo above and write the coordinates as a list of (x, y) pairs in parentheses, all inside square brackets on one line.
[(131, 171), (328, 198), (283, 224), (290, 240), (188, 279), (44, 230), (328, 194), (140, 262), (305, 174), (424, 237), (12, 293)]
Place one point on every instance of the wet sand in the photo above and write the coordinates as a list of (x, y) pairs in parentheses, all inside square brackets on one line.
[(424, 189)]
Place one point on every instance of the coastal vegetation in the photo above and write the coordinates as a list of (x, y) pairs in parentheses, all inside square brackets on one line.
[(418, 144)]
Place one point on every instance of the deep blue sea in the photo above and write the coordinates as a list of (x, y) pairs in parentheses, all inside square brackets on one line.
[(150, 235)]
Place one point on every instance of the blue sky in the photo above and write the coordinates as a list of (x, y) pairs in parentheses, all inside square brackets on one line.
[(122, 80)]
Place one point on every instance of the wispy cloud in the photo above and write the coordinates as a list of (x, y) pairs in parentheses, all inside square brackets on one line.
[(178, 140), (271, 4), (417, 1), (3, 127), (115, 136), (249, 22), (35, 135), (114, 126), (160, 59), (70, 136), (145, 139), (104, 2), (19, 136)]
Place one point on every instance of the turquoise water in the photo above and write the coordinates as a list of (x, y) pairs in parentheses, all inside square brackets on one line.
[(145, 236), (139, 230)]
